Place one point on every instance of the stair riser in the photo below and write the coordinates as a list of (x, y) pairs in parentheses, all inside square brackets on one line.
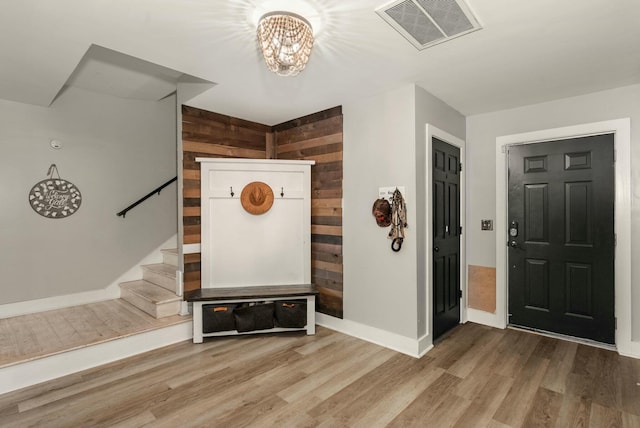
[(160, 280), (161, 310), (170, 258)]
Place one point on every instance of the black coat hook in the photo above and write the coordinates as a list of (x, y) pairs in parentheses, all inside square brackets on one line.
[(232, 191)]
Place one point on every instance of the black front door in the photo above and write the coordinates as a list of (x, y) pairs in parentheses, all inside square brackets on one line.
[(446, 237), (561, 237)]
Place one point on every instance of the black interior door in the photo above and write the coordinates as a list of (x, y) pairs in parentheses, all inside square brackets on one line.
[(446, 237), (561, 237)]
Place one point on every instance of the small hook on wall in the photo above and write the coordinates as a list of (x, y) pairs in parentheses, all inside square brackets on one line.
[(231, 191), (282, 192), (53, 168)]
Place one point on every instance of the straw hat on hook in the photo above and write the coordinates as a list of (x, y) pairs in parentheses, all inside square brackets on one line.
[(256, 197)]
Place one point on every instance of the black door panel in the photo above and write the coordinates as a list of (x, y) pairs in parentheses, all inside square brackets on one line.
[(446, 237), (561, 263)]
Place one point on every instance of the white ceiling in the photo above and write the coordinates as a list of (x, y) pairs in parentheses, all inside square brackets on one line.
[(527, 52), (109, 72)]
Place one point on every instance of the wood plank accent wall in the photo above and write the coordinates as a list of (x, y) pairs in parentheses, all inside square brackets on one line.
[(207, 134), (319, 137), (316, 137)]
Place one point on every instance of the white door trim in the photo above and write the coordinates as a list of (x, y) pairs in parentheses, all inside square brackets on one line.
[(432, 131), (621, 128)]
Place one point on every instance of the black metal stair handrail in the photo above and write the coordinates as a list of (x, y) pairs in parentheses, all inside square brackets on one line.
[(123, 213)]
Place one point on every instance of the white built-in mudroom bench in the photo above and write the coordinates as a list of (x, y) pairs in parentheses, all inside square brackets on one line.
[(256, 248)]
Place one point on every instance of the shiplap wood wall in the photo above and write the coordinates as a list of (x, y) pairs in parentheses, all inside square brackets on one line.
[(319, 137), (207, 134), (316, 137)]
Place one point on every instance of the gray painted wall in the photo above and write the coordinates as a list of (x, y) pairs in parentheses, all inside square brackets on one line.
[(482, 131), (379, 151), (384, 145), (433, 111), (115, 151)]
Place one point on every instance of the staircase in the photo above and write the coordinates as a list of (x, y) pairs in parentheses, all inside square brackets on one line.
[(157, 292)]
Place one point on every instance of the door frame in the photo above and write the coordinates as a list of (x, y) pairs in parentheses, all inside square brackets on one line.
[(621, 128), (432, 131)]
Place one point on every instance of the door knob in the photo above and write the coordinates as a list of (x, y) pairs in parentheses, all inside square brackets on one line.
[(513, 244), (436, 249)]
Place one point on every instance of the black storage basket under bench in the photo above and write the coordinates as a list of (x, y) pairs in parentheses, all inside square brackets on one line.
[(254, 317), (218, 317), (291, 313)]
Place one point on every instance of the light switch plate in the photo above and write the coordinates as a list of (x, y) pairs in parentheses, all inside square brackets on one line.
[(486, 224)]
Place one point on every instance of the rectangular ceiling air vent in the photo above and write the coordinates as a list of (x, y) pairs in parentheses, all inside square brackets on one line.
[(428, 22)]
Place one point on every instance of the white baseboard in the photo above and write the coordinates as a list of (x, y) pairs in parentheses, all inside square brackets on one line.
[(112, 291), (485, 318), (41, 370), (191, 248), (186, 308), (629, 349), (635, 350), (380, 337), (58, 302), (425, 344), (420, 347)]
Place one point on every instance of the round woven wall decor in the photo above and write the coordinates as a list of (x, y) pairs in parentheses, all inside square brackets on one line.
[(55, 198)]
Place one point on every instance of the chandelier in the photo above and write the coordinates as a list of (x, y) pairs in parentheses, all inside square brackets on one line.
[(285, 40)]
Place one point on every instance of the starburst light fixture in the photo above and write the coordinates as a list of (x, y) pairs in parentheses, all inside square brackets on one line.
[(285, 40)]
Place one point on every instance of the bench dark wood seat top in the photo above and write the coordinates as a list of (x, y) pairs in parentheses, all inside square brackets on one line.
[(253, 292)]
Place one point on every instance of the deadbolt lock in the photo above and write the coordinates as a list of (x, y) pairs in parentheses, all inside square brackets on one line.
[(513, 229)]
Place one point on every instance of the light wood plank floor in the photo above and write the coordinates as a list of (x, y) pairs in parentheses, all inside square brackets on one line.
[(475, 377), (28, 337)]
